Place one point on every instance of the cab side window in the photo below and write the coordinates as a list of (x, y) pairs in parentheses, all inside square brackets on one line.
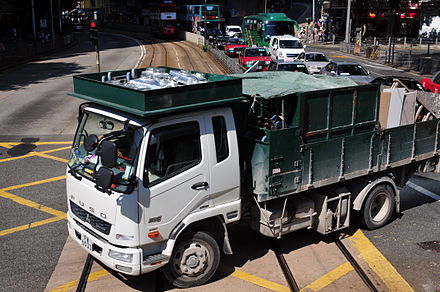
[(172, 150), (221, 138)]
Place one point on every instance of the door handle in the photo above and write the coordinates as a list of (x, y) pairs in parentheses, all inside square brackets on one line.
[(200, 185)]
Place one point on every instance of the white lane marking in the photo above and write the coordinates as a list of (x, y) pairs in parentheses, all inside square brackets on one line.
[(378, 66), (423, 191), (143, 52)]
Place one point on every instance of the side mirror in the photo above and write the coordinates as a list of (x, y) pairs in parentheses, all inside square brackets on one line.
[(103, 179), (304, 46), (107, 151), (91, 142)]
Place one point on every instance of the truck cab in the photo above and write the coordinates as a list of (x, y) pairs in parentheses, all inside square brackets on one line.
[(134, 182), (285, 47)]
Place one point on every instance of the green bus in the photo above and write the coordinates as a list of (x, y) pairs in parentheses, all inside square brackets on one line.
[(259, 28)]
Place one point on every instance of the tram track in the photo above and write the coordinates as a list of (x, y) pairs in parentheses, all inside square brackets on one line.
[(292, 282)]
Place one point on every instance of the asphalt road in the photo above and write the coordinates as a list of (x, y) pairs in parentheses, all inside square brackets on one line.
[(37, 123)]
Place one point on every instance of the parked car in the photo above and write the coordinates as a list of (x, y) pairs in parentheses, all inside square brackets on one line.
[(354, 71), (285, 47), (252, 55), (233, 45), (293, 66), (314, 61), (231, 30), (212, 33), (407, 81), (432, 84)]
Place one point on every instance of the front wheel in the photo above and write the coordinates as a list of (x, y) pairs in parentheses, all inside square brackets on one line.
[(378, 207), (194, 260)]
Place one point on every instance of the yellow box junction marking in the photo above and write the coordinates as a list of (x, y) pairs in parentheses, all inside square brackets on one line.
[(72, 284), (330, 277), (253, 279), (29, 226), (41, 154), (379, 264), (22, 201)]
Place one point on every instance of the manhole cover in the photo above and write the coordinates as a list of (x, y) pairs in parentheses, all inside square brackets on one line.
[(21, 149), (430, 245)]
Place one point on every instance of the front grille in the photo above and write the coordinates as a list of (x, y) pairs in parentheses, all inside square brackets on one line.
[(94, 221), (291, 55)]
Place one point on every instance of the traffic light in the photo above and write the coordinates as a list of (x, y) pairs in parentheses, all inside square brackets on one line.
[(94, 32)]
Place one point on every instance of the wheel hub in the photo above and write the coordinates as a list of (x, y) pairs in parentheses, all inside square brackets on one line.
[(193, 259)]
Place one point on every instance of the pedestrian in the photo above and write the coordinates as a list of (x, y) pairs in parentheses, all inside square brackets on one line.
[(14, 33)]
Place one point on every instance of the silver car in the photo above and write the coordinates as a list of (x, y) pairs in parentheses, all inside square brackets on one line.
[(314, 61), (354, 71)]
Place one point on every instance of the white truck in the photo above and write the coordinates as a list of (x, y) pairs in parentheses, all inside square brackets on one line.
[(283, 47), (157, 173)]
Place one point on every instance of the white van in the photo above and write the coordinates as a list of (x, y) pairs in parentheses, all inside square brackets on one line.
[(231, 30), (285, 47)]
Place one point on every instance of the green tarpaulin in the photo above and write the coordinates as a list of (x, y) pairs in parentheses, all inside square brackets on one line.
[(281, 83)]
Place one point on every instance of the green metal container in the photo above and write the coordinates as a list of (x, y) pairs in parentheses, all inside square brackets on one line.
[(218, 90)]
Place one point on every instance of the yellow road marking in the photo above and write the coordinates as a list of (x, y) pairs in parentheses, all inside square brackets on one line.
[(38, 143), (31, 154), (28, 226), (52, 157), (32, 204), (33, 183), (379, 264), (72, 284), (330, 277), (253, 279), (6, 145)]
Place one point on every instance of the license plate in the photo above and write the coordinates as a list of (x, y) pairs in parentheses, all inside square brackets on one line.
[(86, 242), (259, 67)]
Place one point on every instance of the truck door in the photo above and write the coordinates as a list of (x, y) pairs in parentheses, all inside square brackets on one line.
[(176, 175)]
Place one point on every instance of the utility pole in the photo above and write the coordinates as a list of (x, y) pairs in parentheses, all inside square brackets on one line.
[(34, 31), (51, 24), (204, 26), (60, 16), (348, 23)]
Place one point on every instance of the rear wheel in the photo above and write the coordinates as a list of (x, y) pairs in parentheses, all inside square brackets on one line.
[(378, 207), (194, 261)]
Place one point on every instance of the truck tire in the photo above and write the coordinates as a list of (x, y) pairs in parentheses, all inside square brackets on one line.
[(194, 260), (378, 207)]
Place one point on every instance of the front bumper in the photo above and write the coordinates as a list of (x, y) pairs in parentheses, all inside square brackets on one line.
[(99, 249)]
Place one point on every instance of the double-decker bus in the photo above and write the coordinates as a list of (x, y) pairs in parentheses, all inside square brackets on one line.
[(259, 28), (193, 17), (162, 17)]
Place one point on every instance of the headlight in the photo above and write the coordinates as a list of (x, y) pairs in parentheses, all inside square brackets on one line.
[(267, 62), (280, 54), (121, 256), (231, 50), (250, 63)]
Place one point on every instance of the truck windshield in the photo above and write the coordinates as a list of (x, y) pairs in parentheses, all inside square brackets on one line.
[(86, 163)]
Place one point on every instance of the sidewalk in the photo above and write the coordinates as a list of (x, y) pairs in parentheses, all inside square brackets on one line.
[(19, 51)]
